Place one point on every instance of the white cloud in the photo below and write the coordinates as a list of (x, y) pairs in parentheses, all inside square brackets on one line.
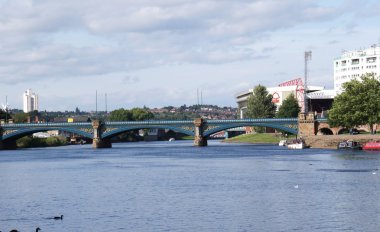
[(78, 40)]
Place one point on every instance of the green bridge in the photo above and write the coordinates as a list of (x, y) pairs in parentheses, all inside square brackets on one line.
[(101, 132)]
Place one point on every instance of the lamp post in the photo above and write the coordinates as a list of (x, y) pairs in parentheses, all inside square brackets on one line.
[(307, 58)]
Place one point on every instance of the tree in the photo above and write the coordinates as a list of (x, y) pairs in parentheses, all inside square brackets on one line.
[(289, 108), (358, 104), (4, 115), (135, 114), (20, 117), (120, 115), (139, 114), (260, 105)]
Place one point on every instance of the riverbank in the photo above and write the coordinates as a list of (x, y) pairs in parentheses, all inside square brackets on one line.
[(317, 141), (331, 141), (29, 142), (255, 138)]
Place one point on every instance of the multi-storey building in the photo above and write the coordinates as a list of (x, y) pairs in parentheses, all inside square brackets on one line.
[(30, 100), (353, 64), (283, 90)]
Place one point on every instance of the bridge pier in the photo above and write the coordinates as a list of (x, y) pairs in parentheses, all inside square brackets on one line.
[(307, 125), (200, 125), (97, 141)]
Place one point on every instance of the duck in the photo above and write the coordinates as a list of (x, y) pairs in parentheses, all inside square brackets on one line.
[(14, 230), (58, 218)]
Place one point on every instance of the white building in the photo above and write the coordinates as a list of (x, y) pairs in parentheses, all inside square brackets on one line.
[(353, 64), (280, 93), (30, 100)]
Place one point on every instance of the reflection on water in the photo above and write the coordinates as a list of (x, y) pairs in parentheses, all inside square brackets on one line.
[(162, 186)]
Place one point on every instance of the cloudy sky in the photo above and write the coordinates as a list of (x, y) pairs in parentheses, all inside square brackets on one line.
[(158, 53)]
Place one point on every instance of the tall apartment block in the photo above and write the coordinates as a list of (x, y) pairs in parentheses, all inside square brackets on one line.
[(353, 64), (30, 100)]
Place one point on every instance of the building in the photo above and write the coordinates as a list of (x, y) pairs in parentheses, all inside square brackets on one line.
[(30, 100), (280, 93), (353, 64)]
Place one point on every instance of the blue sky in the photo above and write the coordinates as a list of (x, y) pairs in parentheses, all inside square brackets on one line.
[(158, 53)]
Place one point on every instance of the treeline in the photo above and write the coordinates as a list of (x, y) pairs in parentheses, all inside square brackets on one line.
[(135, 114)]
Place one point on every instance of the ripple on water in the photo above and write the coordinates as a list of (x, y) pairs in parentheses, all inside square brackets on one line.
[(346, 170)]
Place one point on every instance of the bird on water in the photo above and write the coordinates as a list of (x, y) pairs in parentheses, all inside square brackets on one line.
[(37, 229), (58, 218)]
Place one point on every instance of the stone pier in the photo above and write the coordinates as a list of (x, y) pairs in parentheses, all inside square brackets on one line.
[(200, 125), (97, 141), (307, 125)]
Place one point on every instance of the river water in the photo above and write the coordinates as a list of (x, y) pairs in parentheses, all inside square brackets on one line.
[(173, 186)]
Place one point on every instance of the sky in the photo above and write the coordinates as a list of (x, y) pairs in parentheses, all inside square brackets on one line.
[(158, 53)]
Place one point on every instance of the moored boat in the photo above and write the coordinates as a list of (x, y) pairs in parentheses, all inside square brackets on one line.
[(372, 146), (349, 144), (282, 143), (297, 144)]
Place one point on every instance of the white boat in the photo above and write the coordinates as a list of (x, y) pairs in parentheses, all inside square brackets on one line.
[(297, 144), (171, 139), (282, 143)]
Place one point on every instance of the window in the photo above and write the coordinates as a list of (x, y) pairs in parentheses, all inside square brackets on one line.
[(354, 61), (371, 59)]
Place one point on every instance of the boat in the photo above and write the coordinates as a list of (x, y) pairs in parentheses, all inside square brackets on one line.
[(282, 143), (349, 144), (372, 146), (171, 139), (297, 144)]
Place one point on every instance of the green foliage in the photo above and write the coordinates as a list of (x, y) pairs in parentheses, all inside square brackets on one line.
[(139, 114), (4, 115), (289, 108), (55, 141), (120, 115), (254, 138), (28, 141), (20, 117), (359, 104), (135, 114), (260, 105)]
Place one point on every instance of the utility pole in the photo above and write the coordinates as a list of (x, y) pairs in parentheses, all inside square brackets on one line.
[(96, 103), (306, 103), (201, 97), (106, 102), (6, 109), (198, 97)]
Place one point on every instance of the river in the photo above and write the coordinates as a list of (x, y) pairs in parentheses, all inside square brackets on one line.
[(173, 186)]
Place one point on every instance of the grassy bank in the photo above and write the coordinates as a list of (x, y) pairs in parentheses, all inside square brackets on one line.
[(28, 142), (255, 138)]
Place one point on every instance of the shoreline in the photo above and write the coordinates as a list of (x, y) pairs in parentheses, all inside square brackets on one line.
[(317, 141)]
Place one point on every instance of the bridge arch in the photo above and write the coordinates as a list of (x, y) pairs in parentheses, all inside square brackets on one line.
[(226, 127), (112, 133), (325, 131), (23, 132)]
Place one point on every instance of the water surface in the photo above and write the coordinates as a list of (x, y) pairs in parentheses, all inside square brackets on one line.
[(173, 186)]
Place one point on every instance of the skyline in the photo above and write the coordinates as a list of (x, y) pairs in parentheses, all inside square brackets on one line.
[(140, 53)]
